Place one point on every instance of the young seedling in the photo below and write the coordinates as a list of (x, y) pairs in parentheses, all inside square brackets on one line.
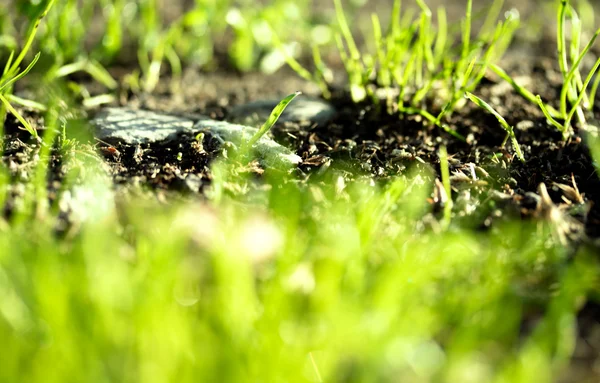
[(275, 114), (12, 73), (415, 58), (574, 98), (509, 129), (445, 172)]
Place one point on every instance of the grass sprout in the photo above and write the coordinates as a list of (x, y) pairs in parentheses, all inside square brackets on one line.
[(445, 171), (12, 72), (273, 117), (575, 100), (419, 59), (509, 129)]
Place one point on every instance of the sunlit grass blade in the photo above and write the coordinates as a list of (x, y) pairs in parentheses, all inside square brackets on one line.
[(593, 91), (91, 67), (575, 69), (548, 116), (442, 32), (445, 172), (492, 15), (19, 117), (522, 90), (275, 114), (575, 106), (466, 25), (345, 30), (509, 129), (290, 60), (561, 38), (20, 75), (30, 37), (26, 103), (8, 63), (324, 75)]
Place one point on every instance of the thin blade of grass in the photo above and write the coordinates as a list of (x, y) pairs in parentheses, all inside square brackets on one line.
[(431, 118), (573, 71), (509, 129), (445, 173), (395, 21), (561, 39), (345, 29), (543, 107), (593, 91), (291, 61), (30, 36), (521, 90), (275, 114), (582, 94), (27, 103), (490, 19), (19, 76), (21, 119), (324, 74), (442, 32), (467, 31), (8, 62)]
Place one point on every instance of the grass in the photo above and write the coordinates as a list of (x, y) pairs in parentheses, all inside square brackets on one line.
[(12, 72), (273, 117), (338, 279), (575, 99), (419, 60), (509, 129), (178, 292)]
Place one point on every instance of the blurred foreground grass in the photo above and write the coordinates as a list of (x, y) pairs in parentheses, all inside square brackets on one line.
[(328, 282)]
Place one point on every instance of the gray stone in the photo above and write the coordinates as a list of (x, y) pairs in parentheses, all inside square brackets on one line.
[(132, 126), (140, 127), (302, 109)]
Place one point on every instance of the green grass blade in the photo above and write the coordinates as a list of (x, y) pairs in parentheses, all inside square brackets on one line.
[(522, 90), (26, 103), (21, 119), (324, 74), (290, 60), (467, 31), (442, 32), (30, 36), (509, 129), (573, 71), (19, 76), (277, 111), (8, 63), (593, 91), (561, 39), (487, 28), (395, 21), (445, 173), (582, 94), (548, 115), (345, 29)]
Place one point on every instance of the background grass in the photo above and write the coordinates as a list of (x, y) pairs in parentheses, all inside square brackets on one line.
[(334, 280)]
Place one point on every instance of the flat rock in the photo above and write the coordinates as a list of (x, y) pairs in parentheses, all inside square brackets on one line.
[(302, 109), (132, 126)]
